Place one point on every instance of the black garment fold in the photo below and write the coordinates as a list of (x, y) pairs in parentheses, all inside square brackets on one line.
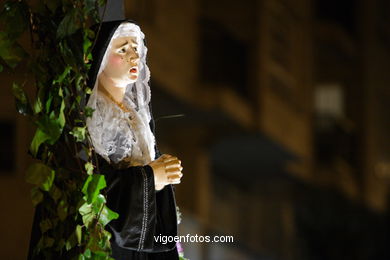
[(143, 212)]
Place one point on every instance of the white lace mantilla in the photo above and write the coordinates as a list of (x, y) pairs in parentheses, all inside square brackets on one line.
[(118, 135)]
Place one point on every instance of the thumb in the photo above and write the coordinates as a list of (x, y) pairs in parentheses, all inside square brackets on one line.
[(165, 156)]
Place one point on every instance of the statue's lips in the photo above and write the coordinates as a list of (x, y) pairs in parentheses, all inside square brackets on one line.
[(133, 70)]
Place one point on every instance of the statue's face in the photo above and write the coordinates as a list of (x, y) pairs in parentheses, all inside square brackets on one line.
[(123, 59)]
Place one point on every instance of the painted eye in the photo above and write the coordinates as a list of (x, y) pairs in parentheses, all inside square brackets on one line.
[(135, 49), (123, 50)]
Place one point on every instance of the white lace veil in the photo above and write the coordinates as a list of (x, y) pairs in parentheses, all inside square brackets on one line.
[(120, 136)]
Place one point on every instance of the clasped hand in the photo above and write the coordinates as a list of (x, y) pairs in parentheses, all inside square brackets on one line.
[(167, 170)]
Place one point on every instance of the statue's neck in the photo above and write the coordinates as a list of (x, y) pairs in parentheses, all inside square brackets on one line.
[(116, 92)]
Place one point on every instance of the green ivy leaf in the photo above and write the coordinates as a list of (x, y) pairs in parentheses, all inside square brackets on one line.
[(49, 129), (62, 209), (79, 233), (89, 111), (67, 54), (71, 242), (50, 126), (99, 254), (87, 253), (98, 204), (45, 225), (45, 242), (14, 18), (107, 215), (93, 244), (37, 108), (55, 193), (79, 85), (86, 212), (87, 45), (40, 175), (89, 168), (21, 101), (39, 138), (19, 93), (52, 5), (102, 2), (10, 51), (61, 117), (89, 5), (48, 103), (79, 133), (68, 245), (81, 257), (36, 196), (107, 237), (70, 24), (92, 187), (61, 77), (61, 244)]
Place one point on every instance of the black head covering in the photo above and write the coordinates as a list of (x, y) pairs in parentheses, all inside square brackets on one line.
[(104, 32)]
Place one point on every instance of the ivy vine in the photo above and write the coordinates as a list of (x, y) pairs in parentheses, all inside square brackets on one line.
[(67, 187)]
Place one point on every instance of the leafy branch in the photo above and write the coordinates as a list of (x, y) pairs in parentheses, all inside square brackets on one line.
[(67, 184)]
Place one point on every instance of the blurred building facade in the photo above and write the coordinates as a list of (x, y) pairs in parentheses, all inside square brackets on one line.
[(280, 124), (241, 72), (299, 142)]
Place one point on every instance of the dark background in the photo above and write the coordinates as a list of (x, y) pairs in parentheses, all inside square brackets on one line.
[(284, 137)]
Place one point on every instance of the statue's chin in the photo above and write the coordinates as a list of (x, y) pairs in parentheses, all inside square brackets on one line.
[(122, 83)]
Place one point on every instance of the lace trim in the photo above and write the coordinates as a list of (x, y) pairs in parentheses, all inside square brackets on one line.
[(145, 210)]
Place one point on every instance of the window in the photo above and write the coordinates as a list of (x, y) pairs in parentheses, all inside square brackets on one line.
[(7, 147), (224, 58)]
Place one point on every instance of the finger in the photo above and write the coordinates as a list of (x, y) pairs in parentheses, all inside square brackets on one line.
[(175, 182), (165, 156), (172, 158), (175, 176), (174, 169), (172, 164), (171, 171)]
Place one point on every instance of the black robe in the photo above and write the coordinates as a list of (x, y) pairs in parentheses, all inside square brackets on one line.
[(143, 214), (143, 211)]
